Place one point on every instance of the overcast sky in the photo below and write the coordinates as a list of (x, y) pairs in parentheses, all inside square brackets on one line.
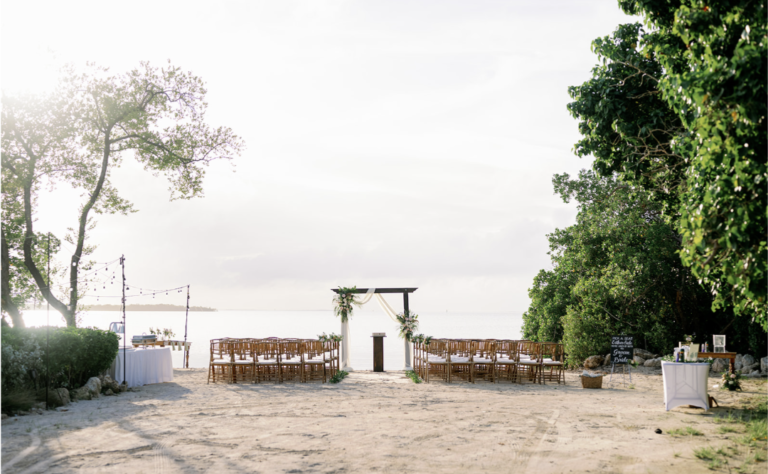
[(389, 143)]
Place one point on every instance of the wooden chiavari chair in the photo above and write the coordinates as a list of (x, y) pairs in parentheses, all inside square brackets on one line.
[(268, 353), (314, 361), (529, 361), (243, 361), (506, 360), (483, 360), (437, 360), (552, 362), (221, 360), (460, 359), (290, 362)]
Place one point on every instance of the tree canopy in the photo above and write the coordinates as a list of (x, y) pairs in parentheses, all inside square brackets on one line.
[(79, 136), (679, 110)]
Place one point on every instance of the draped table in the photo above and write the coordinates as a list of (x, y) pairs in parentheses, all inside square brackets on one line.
[(685, 384), (144, 366)]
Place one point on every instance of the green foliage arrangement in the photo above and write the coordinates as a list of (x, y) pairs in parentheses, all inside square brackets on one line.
[(679, 111), (344, 302), (74, 355), (167, 333), (413, 376), (330, 337), (409, 322), (338, 376), (730, 381)]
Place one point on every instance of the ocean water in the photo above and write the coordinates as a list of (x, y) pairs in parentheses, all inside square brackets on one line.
[(202, 327)]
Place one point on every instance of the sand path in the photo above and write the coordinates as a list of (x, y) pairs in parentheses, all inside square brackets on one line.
[(368, 423)]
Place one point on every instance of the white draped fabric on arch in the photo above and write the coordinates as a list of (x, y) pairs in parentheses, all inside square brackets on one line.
[(346, 353)]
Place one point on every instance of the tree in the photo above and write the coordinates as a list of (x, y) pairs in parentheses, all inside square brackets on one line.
[(80, 135), (721, 96), (617, 271)]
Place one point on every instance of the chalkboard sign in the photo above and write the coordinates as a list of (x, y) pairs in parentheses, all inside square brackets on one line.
[(622, 349)]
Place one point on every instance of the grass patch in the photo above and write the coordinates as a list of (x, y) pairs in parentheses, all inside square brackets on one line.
[(727, 429), (758, 429), (413, 376), (687, 431), (338, 376), (707, 454)]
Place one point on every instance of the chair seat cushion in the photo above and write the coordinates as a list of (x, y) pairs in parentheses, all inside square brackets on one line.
[(244, 362), (459, 360), (552, 362), (437, 360), (291, 362), (482, 360), (529, 362), (504, 360)]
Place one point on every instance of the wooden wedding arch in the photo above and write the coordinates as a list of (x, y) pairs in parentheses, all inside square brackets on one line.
[(346, 348)]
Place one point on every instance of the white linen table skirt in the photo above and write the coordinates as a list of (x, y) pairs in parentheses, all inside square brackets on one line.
[(685, 384), (144, 366)]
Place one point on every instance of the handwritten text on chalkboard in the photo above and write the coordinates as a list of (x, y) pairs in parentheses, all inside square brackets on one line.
[(622, 349)]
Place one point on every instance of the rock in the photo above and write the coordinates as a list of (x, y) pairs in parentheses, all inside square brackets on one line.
[(747, 360), (110, 384), (653, 362), (607, 360), (720, 365), (82, 393), (644, 354), (94, 386), (22, 413), (123, 387), (658, 431), (748, 369), (638, 360), (593, 362), (755, 372), (58, 397), (4, 416), (109, 392), (737, 364), (764, 364)]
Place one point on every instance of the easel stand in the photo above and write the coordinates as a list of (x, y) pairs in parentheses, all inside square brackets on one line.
[(624, 372)]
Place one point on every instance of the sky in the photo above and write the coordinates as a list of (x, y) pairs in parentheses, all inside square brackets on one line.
[(388, 143)]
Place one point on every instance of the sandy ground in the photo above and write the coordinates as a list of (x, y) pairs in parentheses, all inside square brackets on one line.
[(368, 423)]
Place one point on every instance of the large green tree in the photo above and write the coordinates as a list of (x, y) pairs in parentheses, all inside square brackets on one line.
[(713, 75), (617, 271), (81, 133)]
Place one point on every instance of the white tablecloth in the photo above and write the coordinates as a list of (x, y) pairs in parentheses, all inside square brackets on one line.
[(144, 366), (685, 384)]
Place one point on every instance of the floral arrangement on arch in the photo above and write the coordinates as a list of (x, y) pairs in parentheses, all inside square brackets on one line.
[(421, 339), (731, 381), (409, 323), (345, 301), (329, 337)]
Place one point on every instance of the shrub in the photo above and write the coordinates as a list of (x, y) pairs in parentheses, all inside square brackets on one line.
[(22, 363), (17, 400), (73, 355)]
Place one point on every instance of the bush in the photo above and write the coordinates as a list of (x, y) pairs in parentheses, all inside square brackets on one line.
[(18, 400), (22, 363), (73, 356)]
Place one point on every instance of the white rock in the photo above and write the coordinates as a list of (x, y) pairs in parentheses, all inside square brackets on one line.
[(639, 360), (720, 365), (644, 354), (764, 364), (737, 364), (747, 360), (653, 362), (94, 386), (593, 362)]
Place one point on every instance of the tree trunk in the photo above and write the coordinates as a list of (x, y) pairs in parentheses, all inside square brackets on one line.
[(7, 302)]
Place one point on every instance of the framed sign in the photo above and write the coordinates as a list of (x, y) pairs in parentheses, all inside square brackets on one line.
[(622, 349)]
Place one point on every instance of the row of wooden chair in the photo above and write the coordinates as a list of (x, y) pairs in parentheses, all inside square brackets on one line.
[(490, 359), (241, 360)]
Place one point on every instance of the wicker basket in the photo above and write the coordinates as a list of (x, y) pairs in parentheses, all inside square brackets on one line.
[(591, 382)]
